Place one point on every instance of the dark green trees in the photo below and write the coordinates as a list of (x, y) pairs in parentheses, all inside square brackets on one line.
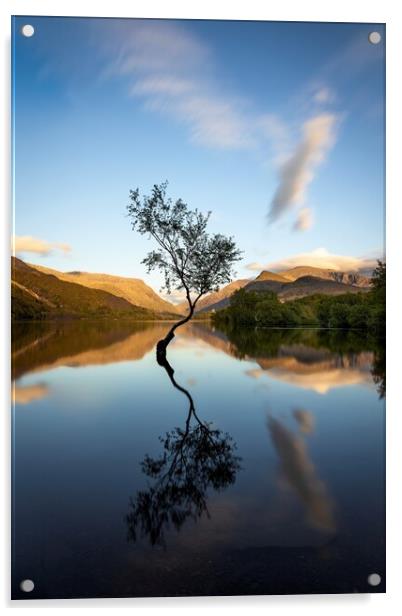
[(363, 311)]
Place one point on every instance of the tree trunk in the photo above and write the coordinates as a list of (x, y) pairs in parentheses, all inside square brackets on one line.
[(162, 344)]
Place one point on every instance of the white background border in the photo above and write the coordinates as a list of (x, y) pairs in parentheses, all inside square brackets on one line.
[(387, 11)]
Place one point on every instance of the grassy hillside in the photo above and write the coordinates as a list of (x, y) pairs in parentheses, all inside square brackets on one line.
[(36, 295), (26, 305), (132, 290)]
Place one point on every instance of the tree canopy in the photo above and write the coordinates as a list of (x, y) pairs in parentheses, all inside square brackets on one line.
[(188, 257)]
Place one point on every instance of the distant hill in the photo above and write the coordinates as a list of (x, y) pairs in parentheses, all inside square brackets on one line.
[(265, 275), (39, 292), (220, 297), (311, 285), (134, 290), (36, 295), (351, 278), (291, 284)]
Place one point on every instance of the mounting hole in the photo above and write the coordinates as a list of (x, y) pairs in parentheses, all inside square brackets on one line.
[(374, 38), (374, 579), (28, 30), (27, 585)]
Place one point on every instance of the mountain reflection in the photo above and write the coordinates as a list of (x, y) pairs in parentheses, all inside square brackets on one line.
[(194, 459), (310, 359), (298, 472), (29, 393), (319, 360), (37, 347), (321, 376)]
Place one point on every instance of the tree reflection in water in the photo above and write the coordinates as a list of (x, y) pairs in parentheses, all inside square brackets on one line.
[(379, 371), (195, 458)]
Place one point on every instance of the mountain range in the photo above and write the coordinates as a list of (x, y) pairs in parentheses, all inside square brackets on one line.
[(42, 293), (133, 290), (291, 284)]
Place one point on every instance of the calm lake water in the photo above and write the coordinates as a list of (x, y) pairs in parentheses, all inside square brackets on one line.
[(256, 467)]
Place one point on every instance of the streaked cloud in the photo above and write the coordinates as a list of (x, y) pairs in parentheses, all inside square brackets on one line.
[(300, 475), (173, 72), (29, 244), (304, 220), (320, 257), (175, 75), (297, 172)]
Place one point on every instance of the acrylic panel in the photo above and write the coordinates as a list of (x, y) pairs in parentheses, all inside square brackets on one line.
[(198, 308)]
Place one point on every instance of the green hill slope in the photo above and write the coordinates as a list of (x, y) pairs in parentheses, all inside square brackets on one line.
[(132, 290), (36, 295)]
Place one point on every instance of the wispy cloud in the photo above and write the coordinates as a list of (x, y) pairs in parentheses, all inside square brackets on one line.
[(297, 172), (304, 220), (172, 71), (323, 95), (29, 244), (175, 74), (318, 258)]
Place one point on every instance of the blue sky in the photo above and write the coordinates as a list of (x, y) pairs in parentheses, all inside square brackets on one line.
[(278, 128)]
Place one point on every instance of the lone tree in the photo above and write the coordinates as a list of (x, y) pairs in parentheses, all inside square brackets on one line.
[(188, 257)]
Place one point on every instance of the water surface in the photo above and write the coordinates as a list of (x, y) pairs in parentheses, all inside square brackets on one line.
[(253, 463)]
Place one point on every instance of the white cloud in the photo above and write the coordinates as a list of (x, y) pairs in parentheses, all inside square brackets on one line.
[(255, 266), (297, 172), (213, 121), (172, 72), (168, 85), (318, 258), (304, 220), (27, 243), (323, 95), (153, 46)]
